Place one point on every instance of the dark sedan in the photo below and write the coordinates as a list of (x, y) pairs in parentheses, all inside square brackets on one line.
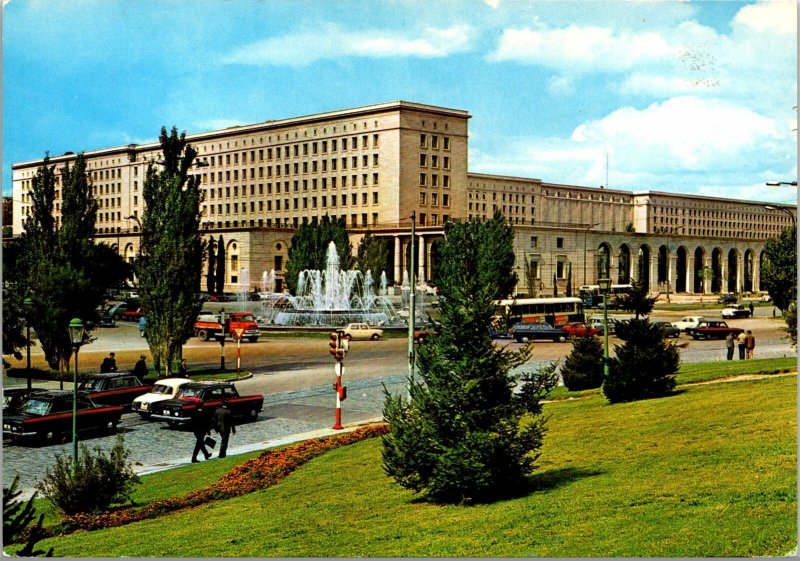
[(14, 397), (117, 388), (527, 332), (667, 328), (47, 416)]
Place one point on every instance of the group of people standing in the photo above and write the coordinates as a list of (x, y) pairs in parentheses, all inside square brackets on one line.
[(746, 342)]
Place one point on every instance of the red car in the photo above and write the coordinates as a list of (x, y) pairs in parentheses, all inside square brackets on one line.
[(579, 329), (132, 315)]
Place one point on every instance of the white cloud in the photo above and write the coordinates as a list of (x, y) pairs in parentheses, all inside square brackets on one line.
[(685, 144), (582, 49), (494, 4), (331, 42), (778, 16)]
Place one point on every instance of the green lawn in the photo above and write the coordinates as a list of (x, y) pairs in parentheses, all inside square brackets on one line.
[(710, 471)]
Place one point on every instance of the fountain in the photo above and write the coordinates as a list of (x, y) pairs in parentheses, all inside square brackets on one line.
[(332, 297)]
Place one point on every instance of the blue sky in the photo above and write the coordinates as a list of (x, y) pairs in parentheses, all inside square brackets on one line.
[(692, 97)]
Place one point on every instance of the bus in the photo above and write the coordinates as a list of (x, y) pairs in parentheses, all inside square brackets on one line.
[(555, 311), (590, 294)]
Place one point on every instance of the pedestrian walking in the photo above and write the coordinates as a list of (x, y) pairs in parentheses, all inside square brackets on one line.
[(741, 342), (750, 343), (751, 309), (730, 343), (182, 372), (140, 368), (201, 429), (223, 424)]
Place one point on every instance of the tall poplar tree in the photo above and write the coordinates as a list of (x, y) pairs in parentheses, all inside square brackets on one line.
[(210, 275), (220, 272), (309, 248), (59, 266), (171, 253)]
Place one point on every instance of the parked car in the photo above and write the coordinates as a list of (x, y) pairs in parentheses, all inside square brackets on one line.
[(116, 310), (713, 330), (362, 331), (729, 298), (688, 322), (527, 332), (580, 329), (132, 315), (209, 395), (14, 397), (105, 319), (47, 416), (598, 325), (766, 298), (667, 328), (420, 335), (161, 391), (736, 311), (117, 388)]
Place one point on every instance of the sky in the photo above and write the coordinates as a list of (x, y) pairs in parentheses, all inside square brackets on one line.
[(676, 96)]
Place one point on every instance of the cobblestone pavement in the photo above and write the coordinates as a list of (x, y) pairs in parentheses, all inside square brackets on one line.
[(287, 417)]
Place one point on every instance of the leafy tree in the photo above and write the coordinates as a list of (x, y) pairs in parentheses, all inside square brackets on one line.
[(779, 272), (373, 256), (583, 367), (460, 435), (791, 322), (17, 521), (309, 248), (210, 276), (637, 300), (220, 272), (59, 266), (14, 336), (171, 253), (644, 365)]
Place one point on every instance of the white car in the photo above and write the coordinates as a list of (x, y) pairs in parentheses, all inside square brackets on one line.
[(162, 390), (362, 331), (688, 322), (766, 298), (736, 311)]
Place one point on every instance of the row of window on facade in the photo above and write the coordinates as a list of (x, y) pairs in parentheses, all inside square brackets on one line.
[(512, 197), (296, 203), (296, 150)]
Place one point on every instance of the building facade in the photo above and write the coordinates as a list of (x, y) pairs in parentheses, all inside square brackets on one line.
[(374, 166)]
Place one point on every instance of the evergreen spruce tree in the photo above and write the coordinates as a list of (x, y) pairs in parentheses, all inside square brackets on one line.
[(171, 254), (583, 367), (645, 364), (460, 436)]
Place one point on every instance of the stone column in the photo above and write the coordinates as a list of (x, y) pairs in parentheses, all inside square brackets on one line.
[(756, 273), (690, 279), (398, 264), (421, 261)]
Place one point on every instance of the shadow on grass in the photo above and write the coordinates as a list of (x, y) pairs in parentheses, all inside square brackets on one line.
[(536, 483)]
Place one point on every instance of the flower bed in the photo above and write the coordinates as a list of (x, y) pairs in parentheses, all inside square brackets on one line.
[(253, 475)]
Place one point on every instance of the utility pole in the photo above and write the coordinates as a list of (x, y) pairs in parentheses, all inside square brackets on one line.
[(411, 307)]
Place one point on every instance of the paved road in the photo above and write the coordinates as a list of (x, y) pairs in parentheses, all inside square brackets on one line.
[(295, 374)]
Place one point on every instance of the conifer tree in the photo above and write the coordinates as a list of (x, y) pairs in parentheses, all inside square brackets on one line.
[(309, 248), (583, 367), (220, 272), (210, 276), (171, 253), (460, 436)]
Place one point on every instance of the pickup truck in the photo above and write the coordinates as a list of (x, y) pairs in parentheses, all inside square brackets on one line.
[(208, 326), (209, 396), (116, 388), (47, 416), (712, 330)]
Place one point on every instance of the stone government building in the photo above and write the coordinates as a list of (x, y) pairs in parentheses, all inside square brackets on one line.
[(373, 166)]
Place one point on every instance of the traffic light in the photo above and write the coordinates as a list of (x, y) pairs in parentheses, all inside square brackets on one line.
[(334, 345)]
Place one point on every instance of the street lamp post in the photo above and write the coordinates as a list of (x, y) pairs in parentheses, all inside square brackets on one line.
[(605, 285), (28, 304), (76, 331), (783, 209)]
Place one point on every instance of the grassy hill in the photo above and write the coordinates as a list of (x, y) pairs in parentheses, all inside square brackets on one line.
[(710, 471)]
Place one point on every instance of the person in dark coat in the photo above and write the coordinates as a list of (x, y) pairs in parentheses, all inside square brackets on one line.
[(201, 429), (223, 424), (182, 372), (140, 369)]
